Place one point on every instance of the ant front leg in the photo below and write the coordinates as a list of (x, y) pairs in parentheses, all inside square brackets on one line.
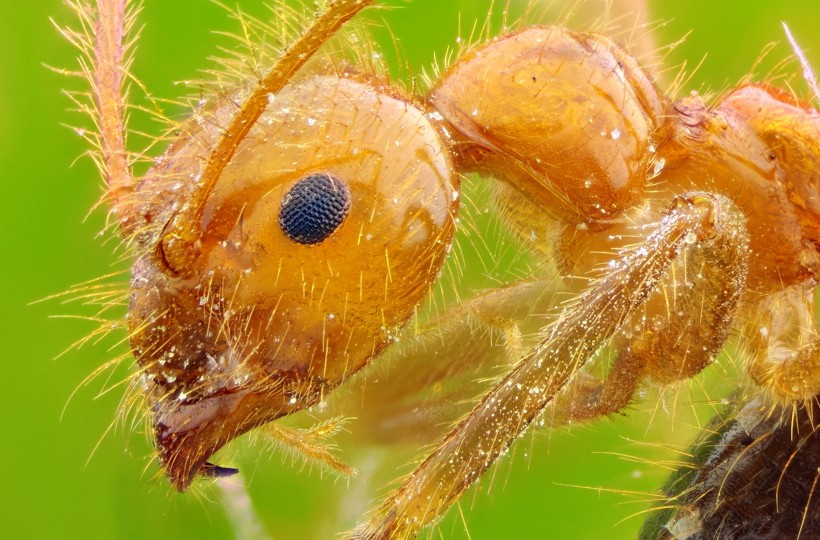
[(704, 226)]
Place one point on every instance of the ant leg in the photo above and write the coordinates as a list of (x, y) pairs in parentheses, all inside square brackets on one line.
[(312, 445), (679, 331), (797, 377), (784, 346), (589, 397), (505, 312), (705, 223), (430, 378)]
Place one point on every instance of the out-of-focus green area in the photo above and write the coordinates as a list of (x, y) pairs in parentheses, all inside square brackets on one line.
[(67, 474)]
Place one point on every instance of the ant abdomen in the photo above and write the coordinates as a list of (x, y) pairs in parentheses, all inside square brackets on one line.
[(318, 241), (567, 118)]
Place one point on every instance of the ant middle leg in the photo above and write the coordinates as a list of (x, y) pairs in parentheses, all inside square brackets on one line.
[(678, 332)]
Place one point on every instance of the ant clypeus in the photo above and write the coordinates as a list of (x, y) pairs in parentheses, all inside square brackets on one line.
[(301, 215)]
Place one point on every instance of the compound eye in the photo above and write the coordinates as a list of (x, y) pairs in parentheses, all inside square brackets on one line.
[(314, 208)]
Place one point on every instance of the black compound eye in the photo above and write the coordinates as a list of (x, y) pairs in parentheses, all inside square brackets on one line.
[(313, 208)]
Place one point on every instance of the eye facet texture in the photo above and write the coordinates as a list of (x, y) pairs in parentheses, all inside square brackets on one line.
[(314, 208)]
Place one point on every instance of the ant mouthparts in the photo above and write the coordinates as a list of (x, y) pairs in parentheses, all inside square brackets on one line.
[(216, 471)]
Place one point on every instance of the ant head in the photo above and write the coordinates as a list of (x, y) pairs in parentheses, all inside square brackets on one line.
[(317, 242)]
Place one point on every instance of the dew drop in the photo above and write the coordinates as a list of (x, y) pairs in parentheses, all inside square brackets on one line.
[(658, 166)]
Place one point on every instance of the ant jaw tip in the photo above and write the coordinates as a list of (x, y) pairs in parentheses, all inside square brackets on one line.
[(187, 435), (210, 470)]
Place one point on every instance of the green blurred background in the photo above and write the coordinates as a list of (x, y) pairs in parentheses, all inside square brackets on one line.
[(59, 483)]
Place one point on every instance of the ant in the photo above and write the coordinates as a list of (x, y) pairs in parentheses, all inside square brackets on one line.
[(304, 212)]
